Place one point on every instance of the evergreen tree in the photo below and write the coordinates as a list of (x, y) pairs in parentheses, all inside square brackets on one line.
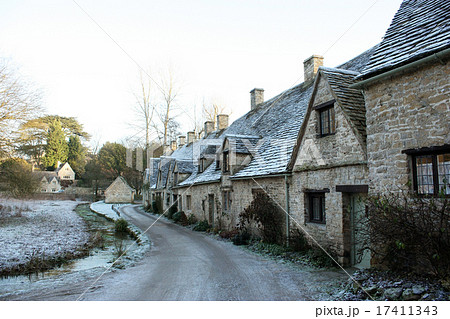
[(56, 148), (77, 155)]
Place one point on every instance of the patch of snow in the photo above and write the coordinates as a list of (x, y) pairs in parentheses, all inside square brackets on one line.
[(50, 228)]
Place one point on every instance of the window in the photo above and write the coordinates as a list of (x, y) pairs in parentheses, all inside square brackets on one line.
[(217, 165), (201, 165), (226, 200), (326, 118), (431, 174), (175, 178), (316, 206), (226, 162), (167, 199), (188, 202)]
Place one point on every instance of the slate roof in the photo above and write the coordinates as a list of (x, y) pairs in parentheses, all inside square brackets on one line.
[(165, 165), (153, 172), (274, 125), (185, 167), (351, 100), (419, 28), (49, 175)]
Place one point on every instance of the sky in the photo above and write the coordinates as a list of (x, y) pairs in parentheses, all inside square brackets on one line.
[(86, 56)]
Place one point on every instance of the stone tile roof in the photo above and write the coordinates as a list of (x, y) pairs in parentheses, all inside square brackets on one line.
[(153, 172), (165, 166), (274, 126), (419, 28), (49, 175), (351, 100), (185, 167)]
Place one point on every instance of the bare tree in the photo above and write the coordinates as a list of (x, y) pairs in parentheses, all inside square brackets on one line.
[(18, 104), (145, 107), (211, 110), (169, 91)]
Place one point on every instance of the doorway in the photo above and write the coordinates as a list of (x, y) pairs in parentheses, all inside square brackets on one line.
[(211, 209), (359, 234)]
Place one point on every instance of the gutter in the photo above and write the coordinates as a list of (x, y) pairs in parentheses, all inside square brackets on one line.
[(439, 56), (261, 176)]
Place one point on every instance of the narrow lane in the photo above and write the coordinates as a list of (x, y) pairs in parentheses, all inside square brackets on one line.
[(186, 265)]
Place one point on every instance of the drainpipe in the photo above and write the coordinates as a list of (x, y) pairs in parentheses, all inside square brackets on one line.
[(288, 211)]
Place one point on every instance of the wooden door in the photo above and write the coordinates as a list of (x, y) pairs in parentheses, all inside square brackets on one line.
[(359, 258), (211, 209)]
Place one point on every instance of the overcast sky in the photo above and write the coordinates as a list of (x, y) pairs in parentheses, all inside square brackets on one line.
[(219, 50)]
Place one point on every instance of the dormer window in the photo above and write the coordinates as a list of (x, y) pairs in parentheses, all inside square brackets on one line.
[(327, 125), (201, 165), (217, 165), (226, 161), (175, 178)]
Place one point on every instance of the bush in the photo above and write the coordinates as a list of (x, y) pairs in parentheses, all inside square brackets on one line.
[(242, 238), (202, 226), (266, 215), (228, 234), (157, 205), (298, 241), (191, 219), (180, 217), (410, 234), (172, 210), (15, 174), (121, 226)]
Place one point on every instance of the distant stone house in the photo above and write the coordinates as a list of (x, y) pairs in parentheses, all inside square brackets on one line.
[(50, 182), (119, 192), (407, 92), (65, 172)]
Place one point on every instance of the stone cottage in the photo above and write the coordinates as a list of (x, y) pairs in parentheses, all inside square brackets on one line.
[(50, 182), (119, 192), (407, 91), (329, 163)]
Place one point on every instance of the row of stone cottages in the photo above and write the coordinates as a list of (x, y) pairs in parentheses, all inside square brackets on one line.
[(376, 124)]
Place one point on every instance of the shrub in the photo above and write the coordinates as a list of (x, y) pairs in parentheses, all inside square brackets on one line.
[(180, 217), (410, 233), (121, 226), (191, 219), (202, 226), (172, 210), (15, 174), (242, 238), (298, 241), (266, 215), (228, 234)]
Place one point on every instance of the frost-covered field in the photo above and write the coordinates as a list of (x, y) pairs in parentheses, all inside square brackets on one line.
[(36, 228)]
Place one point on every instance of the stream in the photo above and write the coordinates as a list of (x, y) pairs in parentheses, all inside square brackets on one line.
[(101, 258)]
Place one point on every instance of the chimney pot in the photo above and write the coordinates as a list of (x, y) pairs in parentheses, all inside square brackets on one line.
[(209, 127), (190, 137), (173, 145), (310, 67), (181, 140), (256, 97), (222, 121)]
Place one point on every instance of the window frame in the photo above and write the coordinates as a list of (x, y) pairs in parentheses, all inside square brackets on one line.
[(327, 107), (226, 161), (188, 202), (434, 169), (310, 195), (226, 200)]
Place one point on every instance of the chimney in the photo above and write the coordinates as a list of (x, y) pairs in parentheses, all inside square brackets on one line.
[(190, 136), (173, 145), (167, 150), (209, 127), (256, 97), (310, 67), (222, 121), (181, 140)]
